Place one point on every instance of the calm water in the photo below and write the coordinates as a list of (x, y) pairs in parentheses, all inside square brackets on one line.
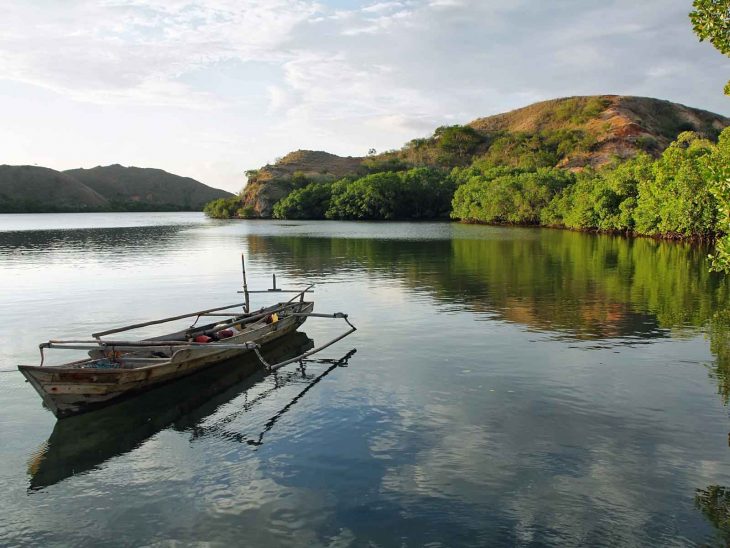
[(510, 387)]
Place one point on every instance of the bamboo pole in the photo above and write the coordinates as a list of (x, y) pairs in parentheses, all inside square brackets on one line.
[(247, 305), (163, 320), (100, 345)]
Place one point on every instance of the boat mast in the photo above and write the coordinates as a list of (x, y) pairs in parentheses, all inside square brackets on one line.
[(247, 305)]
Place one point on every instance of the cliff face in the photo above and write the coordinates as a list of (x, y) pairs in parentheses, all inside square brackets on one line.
[(40, 189), (594, 129)]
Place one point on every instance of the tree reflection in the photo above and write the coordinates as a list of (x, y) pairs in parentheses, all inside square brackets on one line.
[(580, 285), (714, 503), (589, 287), (720, 347)]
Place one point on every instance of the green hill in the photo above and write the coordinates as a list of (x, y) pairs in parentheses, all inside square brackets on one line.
[(33, 189), (39, 189), (571, 133), (153, 188)]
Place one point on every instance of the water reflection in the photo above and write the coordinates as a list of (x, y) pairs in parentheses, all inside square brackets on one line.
[(714, 503), (609, 290), (519, 387), (39, 246), (84, 442), (219, 429), (588, 287)]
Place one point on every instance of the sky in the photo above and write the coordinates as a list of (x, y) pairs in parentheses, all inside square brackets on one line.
[(211, 88)]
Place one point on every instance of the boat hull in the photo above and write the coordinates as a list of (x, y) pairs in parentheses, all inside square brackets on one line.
[(68, 391)]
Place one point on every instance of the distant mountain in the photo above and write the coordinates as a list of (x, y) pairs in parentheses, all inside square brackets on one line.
[(109, 188), (571, 133)]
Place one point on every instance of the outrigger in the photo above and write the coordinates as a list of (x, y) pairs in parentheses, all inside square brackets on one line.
[(117, 368)]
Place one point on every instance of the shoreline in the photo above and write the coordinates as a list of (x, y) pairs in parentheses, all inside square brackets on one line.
[(629, 234)]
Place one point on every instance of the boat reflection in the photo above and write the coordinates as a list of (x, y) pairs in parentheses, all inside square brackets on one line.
[(84, 442), (218, 428)]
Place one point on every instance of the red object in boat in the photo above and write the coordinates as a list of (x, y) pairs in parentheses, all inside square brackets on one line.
[(202, 339), (225, 334)]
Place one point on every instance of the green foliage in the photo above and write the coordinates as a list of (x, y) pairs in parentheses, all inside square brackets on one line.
[(711, 21), (675, 196), (578, 110), (456, 144), (383, 163), (421, 193), (677, 201), (512, 198), (593, 107), (669, 197), (530, 151), (223, 208), (716, 168), (603, 200), (309, 202), (375, 196), (299, 180), (521, 150), (246, 212)]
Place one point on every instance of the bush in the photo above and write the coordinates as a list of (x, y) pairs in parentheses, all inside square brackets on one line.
[(517, 198), (421, 193), (222, 208), (678, 200), (310, 202)]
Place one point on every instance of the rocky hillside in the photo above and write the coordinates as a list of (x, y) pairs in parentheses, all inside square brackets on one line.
[(110, 188), (271, 183), (572, 133), (618, 126)]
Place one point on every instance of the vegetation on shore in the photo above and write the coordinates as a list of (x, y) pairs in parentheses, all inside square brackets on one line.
[(678, 195), (608, 163)]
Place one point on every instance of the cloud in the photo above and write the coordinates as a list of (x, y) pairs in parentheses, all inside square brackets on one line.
[(349, 76), (139, 51), (136, 50)]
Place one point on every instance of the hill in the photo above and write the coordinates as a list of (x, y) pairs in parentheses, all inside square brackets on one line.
[(33, 189), (40, 189), (571, 133), (151, 187), (271, 183)]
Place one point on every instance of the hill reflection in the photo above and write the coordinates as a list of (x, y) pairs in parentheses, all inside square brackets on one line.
[(582, 286)]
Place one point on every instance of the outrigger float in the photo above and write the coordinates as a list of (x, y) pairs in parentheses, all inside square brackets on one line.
[(118, 368)]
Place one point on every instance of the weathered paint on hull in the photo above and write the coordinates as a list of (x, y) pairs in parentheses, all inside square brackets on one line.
[(70, 391)]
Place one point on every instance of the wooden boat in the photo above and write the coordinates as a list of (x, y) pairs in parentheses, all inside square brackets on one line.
[(85, 441), (119, 368)]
